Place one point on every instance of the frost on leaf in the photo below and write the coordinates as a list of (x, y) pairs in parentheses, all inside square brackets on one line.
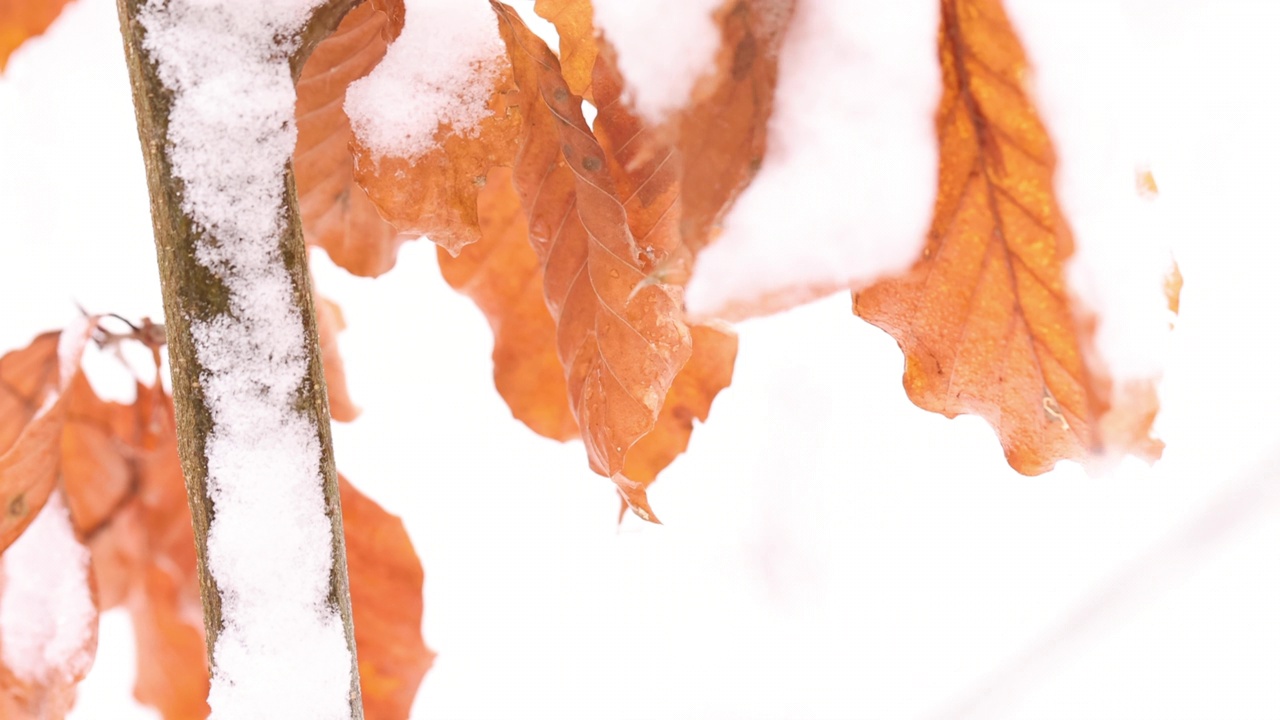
[(337, 215), (619, 336), (386, 605), (432, 120), (502, 274), (984, 317), (574, 24), (21, 20)]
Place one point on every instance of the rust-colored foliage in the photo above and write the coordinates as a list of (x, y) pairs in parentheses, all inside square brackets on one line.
[(984, 317), (386, 606), (650, 175), (120, 474), (21, 20), (709, 370), (620, 338), (33, 384), (337, 215), (330, 322), (435, 194), (574, 21), (501, 273), (722, 132)]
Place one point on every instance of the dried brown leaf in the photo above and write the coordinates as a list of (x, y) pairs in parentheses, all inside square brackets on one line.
[(337, 215), (722, 132), (984, 317), (709, 370), (574, 21), (435, 194), (502, 274), (33, 384), (620, 339), (386, 603)]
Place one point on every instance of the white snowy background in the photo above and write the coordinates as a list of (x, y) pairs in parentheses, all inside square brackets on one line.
[(830, 551)]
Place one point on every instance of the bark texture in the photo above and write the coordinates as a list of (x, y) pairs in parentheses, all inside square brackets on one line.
[(192, 293)]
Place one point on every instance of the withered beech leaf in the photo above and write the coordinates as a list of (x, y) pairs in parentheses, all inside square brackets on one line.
[(984, 318), (434, 194), (144, 558), (97, 456), (620, 338), (722, 132), (21, 20), (33, 382), (386, 604), (575, 24), (337, 215), (709, 370), (502, 274), (648, 171), (330, 322)]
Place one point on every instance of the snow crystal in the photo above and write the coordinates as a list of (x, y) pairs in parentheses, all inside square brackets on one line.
[(282, 652), (847, 185), (663, 46), (47, 615), (1087, 85), (440, 71)]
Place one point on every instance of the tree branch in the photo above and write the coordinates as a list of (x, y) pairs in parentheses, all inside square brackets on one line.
[(194, 294)]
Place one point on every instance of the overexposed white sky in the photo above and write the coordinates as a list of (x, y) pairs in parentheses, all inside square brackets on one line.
[(830, 551)]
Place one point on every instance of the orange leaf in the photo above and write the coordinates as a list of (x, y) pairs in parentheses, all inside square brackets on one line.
[(149, 547), (144, 558), (984, 317), (33, 382), (649, 173), (337, 215), (386, 603), (330, 322), (435, 194), (574, 24), (97, 471), (709, 370), (722, 132), (21, 20), (620, 339), (502, 274)]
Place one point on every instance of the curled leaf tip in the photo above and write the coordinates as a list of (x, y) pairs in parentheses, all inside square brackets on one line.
[(635, 498)]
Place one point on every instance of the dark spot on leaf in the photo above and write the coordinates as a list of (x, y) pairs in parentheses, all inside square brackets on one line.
[(18, 506), (744, 56), (560, 94), (591, 164)]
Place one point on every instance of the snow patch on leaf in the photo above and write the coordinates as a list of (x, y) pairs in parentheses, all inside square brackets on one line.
[(1086, 78), (47, 614), (663, 46), (439, 72), (844, 193)]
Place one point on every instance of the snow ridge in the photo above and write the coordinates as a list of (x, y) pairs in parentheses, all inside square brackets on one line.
[(282, 651)]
